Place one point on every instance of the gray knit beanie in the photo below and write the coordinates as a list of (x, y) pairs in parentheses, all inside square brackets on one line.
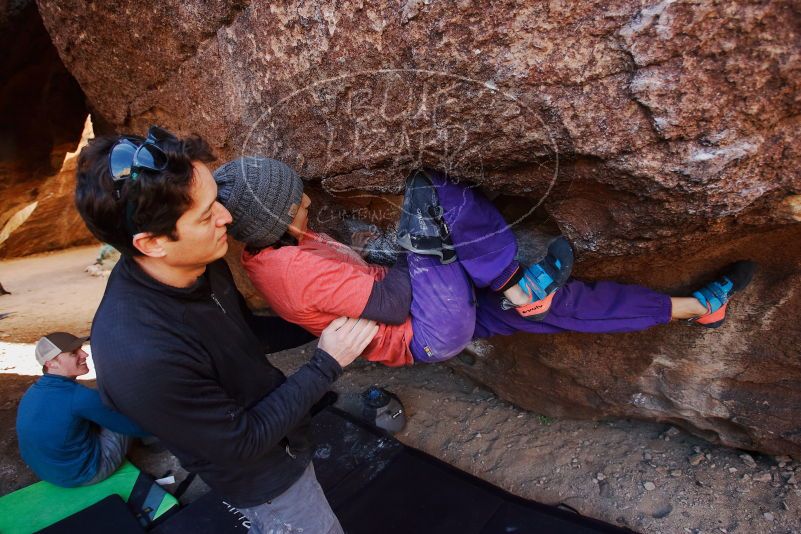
[(259, 193)]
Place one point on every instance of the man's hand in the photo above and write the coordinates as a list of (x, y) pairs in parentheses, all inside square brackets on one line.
[(345, 338)]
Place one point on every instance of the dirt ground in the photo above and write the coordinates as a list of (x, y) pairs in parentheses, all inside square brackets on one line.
[(646, 476)]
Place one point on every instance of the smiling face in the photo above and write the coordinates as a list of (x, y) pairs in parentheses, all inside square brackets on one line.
[(201, 230), (69, 364)]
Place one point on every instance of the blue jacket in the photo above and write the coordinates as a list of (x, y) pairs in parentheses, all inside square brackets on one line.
[(57, 428)]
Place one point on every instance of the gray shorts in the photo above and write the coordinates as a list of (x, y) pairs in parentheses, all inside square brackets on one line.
[(113, 448), (302, 508)]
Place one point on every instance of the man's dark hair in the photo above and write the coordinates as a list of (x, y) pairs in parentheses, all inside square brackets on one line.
[(152, 203)]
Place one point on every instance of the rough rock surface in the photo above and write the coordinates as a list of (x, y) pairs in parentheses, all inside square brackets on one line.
[(42, 112), (660, 137), (50, 222)]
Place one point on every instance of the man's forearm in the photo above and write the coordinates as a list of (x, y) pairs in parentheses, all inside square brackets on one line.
[(277, 334), (271, 418), (192, 412), (88, 404)]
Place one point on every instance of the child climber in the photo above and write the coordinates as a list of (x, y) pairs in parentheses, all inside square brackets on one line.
[(459, 281)]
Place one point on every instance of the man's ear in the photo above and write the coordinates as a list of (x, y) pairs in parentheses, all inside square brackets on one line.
[(150, 245), (52, 363)]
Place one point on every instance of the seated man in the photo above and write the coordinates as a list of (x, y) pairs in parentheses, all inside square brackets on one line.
[(66, 434)]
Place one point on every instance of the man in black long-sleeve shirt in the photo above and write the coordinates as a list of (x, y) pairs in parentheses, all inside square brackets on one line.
[(176, 348)]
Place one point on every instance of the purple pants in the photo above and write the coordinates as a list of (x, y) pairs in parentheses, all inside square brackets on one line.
[(453, 304)]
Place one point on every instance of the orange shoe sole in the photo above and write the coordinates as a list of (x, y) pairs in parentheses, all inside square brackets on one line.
[(536, 311), (713, 320)]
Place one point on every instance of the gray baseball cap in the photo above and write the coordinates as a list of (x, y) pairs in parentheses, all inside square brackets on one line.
[(51, 345)]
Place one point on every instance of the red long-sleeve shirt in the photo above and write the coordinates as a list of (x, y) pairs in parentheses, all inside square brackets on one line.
[(320, 279)]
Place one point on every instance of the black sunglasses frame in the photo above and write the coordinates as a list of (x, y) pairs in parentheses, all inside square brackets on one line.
[(148, 144)]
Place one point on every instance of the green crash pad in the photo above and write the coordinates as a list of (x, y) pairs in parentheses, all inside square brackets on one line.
[(40, 505)]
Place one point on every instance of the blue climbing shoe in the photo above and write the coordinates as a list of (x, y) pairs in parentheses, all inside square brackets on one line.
[(541, 280), (715, 295)]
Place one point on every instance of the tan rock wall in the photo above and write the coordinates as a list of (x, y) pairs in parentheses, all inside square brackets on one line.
[(42, 112), (51, 222)]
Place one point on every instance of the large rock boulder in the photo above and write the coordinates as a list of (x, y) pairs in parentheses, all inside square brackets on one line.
[(660, 138), (51, 221), (43, 113)]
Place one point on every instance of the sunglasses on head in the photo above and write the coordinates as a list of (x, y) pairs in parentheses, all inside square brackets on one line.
[(133, 154)]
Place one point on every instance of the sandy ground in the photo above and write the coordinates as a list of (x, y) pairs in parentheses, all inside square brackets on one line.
[(49, 292), (649, 477)]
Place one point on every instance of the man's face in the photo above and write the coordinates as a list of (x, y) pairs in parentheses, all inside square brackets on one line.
[(201, 230), (69, 364)]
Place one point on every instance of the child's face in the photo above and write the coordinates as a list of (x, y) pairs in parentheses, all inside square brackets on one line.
[(300, 223)]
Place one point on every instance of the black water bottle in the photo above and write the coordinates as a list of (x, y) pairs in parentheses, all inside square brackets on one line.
[(383, 409)]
